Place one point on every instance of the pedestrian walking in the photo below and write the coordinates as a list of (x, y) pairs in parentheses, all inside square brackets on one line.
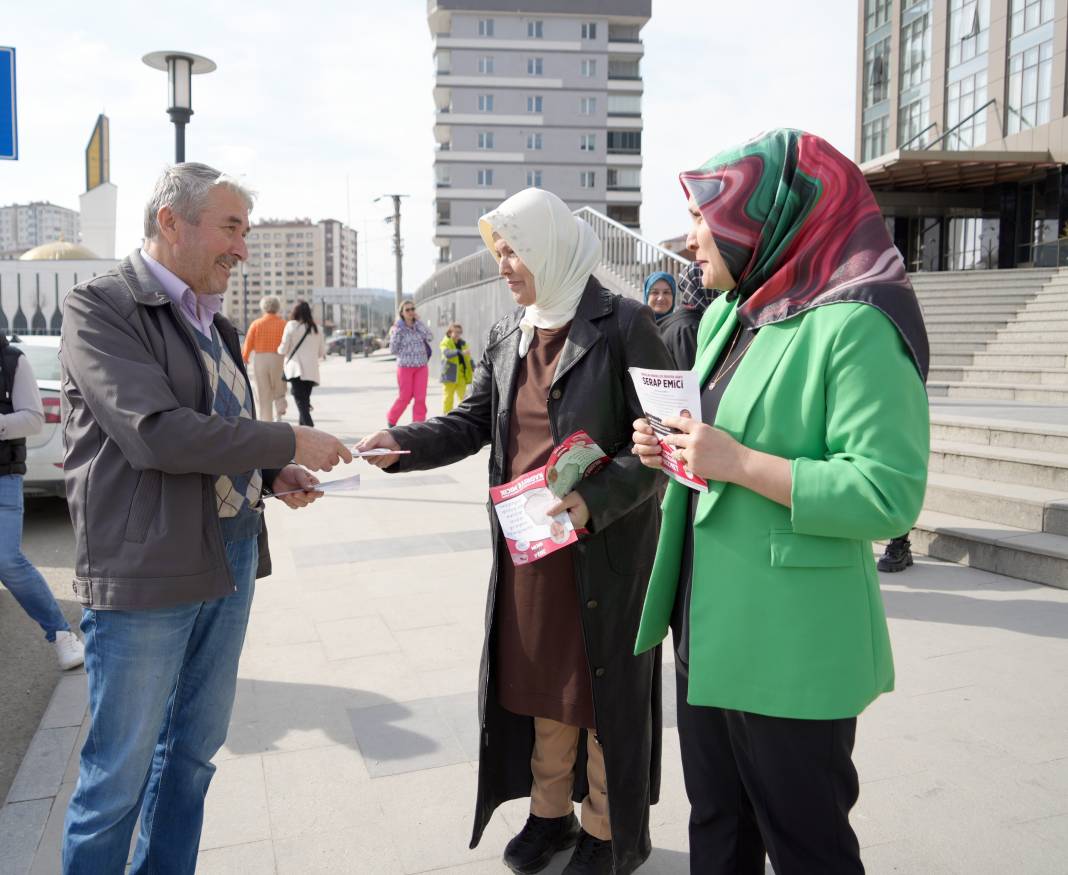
[(409, 341), (567, 712), (166, 466), (22, 416), (302, 348), (814, 439), (456, 367), (261, 348)]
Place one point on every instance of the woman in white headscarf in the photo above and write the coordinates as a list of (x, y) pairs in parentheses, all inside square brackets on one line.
[(567, 712)]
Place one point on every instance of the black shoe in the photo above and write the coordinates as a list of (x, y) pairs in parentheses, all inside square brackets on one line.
[(592, 857), (897, 556), (538, 841)]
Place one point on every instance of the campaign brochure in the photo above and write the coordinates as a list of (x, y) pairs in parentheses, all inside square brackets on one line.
[(670, 393), (346, 484), (522, 504)]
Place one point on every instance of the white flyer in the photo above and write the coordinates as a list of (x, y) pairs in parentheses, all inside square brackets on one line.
[(345, 484), (670, 393)]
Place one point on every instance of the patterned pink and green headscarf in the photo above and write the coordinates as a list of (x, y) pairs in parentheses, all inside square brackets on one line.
[(798, 228)]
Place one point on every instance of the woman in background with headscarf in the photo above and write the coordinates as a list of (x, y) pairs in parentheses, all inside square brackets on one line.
[(678, 329), (568, 712), (814, 440)]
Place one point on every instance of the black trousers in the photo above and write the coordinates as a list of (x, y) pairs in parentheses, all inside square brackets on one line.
[(759, 783), (302, 390)]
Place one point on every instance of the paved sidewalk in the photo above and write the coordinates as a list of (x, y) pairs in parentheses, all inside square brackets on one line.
[(354, 734)]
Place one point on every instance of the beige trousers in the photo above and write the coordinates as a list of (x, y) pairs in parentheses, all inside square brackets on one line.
[(553, 765), (270, 388)]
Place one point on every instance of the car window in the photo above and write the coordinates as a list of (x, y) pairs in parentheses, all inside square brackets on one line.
[(43, 359)]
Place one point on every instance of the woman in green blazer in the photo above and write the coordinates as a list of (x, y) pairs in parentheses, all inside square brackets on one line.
[(814, 439)]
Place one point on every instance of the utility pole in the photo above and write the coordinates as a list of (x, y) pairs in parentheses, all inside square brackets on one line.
[(398, 246)]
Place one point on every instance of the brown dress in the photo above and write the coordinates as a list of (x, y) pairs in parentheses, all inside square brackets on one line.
[(541, 655)]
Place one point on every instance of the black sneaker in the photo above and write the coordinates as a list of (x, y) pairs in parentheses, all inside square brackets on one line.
[(592, 857), (539, 841), (897, 556)]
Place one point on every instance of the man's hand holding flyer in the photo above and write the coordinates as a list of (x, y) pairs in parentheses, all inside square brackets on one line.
[(670, 393), (521, 505)]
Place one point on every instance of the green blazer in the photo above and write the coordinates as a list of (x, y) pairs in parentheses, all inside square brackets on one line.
[(786, 616)]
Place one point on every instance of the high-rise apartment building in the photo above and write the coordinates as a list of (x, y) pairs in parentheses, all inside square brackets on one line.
[(288, 259), (545, 93), (963, 128), (23, 226)]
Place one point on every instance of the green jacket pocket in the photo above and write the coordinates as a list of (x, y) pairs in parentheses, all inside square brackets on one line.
[(791, 550)]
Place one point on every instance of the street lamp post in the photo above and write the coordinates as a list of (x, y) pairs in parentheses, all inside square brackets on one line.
[(244, 296), (180, 67)]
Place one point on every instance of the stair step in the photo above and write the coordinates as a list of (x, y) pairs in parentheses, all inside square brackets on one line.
[(939, 308), (1008, 550), (1032, 332), (1026, 507), (998, 392), (950, 359), (1058, 316), (954, 343), (1002, 360), (1018, 376), (968, 318), (1003, 464), (1042, 436)]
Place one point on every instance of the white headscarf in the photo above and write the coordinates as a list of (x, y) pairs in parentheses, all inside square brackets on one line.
[(559, 249)]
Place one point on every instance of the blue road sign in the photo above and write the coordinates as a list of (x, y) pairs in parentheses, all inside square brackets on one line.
[(9, 128)]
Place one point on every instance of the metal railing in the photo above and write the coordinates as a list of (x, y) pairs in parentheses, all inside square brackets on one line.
[(627, 255)]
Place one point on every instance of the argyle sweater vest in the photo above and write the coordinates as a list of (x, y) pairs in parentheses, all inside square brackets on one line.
[(237, 496)]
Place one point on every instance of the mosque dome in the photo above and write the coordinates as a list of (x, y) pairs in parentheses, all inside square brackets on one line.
[(59, 250)]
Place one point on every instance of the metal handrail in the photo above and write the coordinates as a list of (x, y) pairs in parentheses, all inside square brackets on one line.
[(905, 145), (967, 118), (627, 255)]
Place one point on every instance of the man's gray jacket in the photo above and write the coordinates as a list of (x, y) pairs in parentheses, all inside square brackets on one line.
[(143, 448)]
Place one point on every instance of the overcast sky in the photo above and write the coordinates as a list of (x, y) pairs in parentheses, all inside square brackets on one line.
[(323, 105)]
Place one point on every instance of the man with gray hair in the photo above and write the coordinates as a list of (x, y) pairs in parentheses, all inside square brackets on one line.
[(166, 466), (261, 347)]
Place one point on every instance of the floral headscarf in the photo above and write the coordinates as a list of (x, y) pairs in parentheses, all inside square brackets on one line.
[(692, 292), (798, 228), (655, 278)]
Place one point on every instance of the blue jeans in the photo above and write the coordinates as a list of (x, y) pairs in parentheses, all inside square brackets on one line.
[(16, 571), (161, 689)]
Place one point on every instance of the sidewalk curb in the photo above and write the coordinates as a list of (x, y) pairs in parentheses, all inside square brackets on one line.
[(32, 797)]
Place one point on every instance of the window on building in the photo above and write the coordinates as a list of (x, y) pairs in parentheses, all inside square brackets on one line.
[(624, 142), (535, 66), (1030, 81), (485, 103), (589, 30), (533, 179), (624, 69), (485, 176), (534, 142), (912, 122), (534, 103), (445, 253), (916, 52), (441, 176), (624, 104), (444, 61), (588, 179), (969, 30), (1026, 15), (625, 214), (876, 14), (485, 64), (589, 68), (588, 106), (588, 142), (485, 27), (876, 72), (624, 179), (624, 33), (444, 210), (963, 98), (873, 137), (485, 140), (535, 29)]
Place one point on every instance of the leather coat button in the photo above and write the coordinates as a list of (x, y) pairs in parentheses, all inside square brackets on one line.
[(592, 603), (556, 394), (599, 673)]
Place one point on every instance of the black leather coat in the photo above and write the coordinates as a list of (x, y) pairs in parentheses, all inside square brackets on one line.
[(592, 391)]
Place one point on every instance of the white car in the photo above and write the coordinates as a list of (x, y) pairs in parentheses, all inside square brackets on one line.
[(44, 451)]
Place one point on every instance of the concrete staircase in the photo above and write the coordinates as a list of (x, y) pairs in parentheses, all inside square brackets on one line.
[(997, 495)]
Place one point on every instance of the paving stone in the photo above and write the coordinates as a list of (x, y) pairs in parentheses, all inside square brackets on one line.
[(255, 858), (21, 826), (235, 811), (68, 704), (43, 767)]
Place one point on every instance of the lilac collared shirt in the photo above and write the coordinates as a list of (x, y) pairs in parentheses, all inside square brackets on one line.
[(200, 310)]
